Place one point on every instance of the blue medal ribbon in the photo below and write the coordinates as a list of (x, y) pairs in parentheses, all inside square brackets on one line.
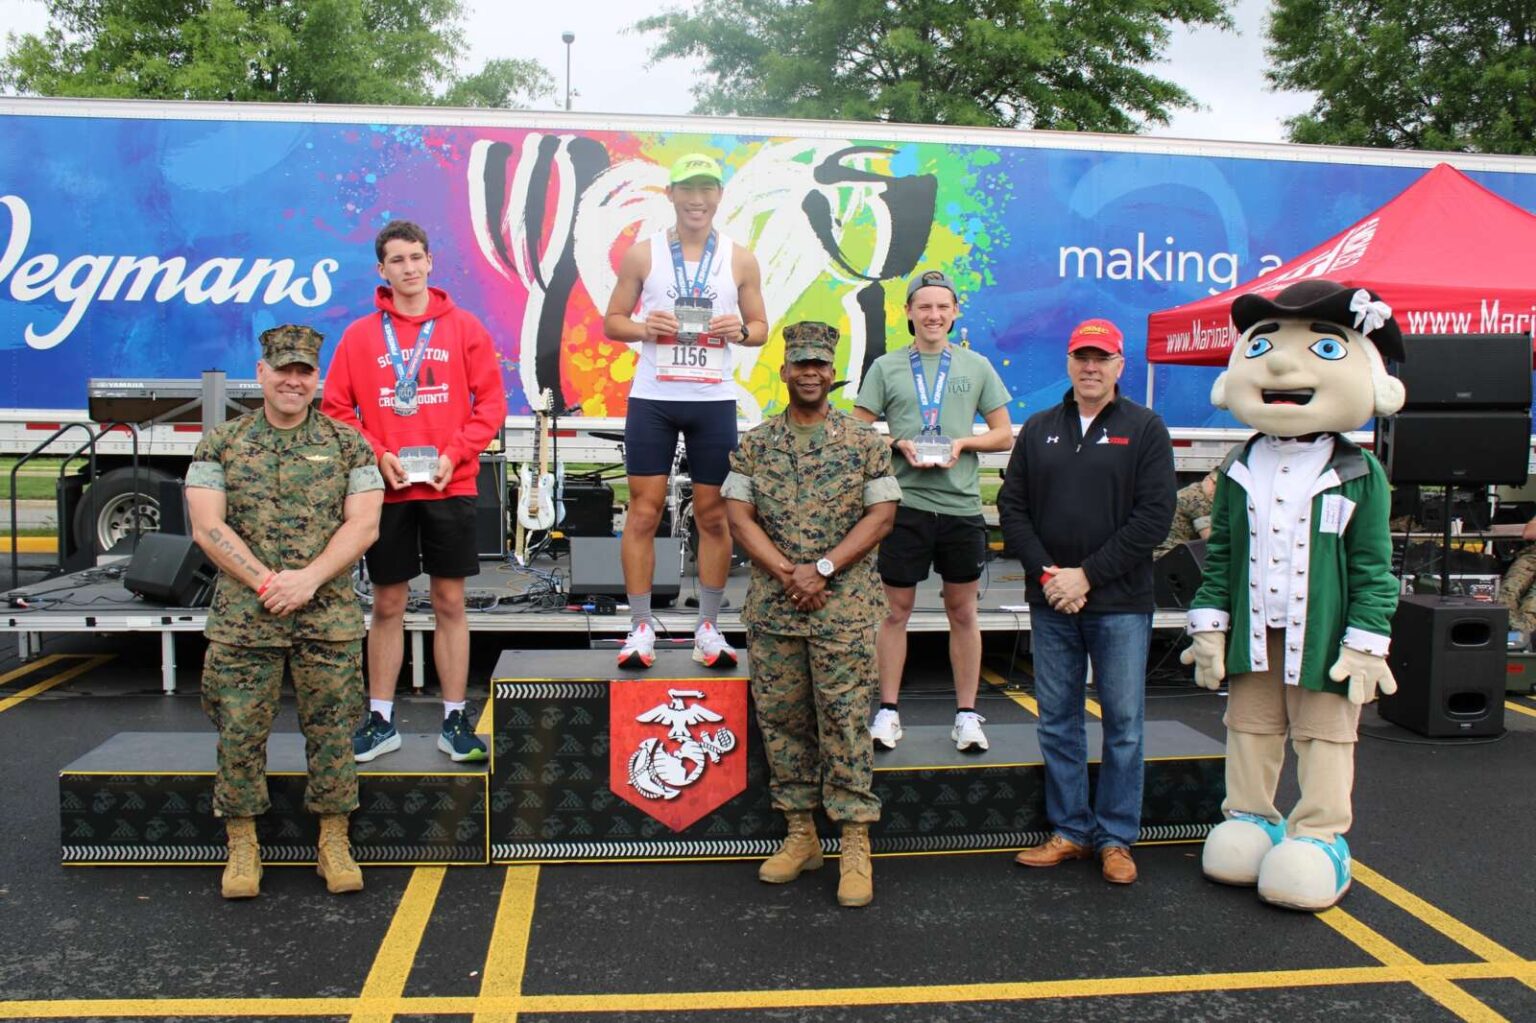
[(928, 406), (405, 375), (680, 269)]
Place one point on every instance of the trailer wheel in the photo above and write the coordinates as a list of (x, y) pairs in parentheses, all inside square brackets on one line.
[(108, 507)]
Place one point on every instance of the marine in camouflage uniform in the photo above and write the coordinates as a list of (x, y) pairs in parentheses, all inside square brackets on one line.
[(814, 485), (1516, 591), (285, 477), (1191, 516)]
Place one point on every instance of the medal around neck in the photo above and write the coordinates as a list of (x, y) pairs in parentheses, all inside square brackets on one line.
[(693, 316), (419, 463), (405, 398)]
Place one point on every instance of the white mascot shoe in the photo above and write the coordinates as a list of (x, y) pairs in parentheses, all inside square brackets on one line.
[(1235, 848), (1305, 873)]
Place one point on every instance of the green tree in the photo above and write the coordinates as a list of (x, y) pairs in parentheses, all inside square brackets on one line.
[(1410, 74), (319, 51), (1069, 64)]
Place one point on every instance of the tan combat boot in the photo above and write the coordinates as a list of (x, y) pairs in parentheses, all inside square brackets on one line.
[(242, 870), (335, 863), (801, 851), (856, 885)]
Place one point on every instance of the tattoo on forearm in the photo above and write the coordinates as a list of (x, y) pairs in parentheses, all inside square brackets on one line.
[(225, 546)]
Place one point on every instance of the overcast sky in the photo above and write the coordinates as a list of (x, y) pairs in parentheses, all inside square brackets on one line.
[(1222, 70)]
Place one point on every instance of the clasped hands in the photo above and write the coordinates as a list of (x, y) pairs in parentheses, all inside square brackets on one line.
[(805, 588), (1066, 589)]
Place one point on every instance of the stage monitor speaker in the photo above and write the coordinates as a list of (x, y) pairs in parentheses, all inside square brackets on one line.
[(1176, 575), (596, 570), (491, 507), (1448, 656), (1465, 371), (170, 569), (1477, 446)]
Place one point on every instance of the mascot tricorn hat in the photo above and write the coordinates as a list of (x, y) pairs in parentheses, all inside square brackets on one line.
[(1330, 302)]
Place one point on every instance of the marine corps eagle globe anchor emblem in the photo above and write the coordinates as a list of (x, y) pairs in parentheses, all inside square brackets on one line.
[(661, 769)]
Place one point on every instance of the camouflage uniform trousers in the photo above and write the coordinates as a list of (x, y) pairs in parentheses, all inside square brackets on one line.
[(813, 699), (241, 686)]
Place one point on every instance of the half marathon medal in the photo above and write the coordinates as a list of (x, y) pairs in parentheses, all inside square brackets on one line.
[(692, 355), (405, 374), (933, 448)]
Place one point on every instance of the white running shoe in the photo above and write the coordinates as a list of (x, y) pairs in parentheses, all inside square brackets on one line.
[(885, 730), (639, 647), (710, 648), (967, 732)]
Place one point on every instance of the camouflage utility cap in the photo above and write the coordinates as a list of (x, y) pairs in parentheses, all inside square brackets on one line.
[(695, 165), (810, 341), (291, 343)]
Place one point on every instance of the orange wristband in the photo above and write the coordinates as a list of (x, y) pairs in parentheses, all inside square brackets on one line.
[(261, 591)]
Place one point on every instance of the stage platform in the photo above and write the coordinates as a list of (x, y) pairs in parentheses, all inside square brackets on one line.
[(590, 763), (503, 598)]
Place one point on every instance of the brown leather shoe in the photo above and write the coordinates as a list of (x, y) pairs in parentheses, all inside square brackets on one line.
[(1116, 864), (1057, 849)]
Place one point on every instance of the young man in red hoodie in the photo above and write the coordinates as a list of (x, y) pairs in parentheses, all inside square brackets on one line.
[(419, 373)]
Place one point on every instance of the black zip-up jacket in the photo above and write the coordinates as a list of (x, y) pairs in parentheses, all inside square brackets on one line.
[(1100, 502)]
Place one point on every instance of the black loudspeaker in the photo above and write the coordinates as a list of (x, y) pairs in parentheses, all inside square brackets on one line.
[(173, 508), (1467, 417), (170, 569), (1477, 446), (1453, 372), (596, 570), (588, 508), (1176, 575), (491, 507), (1448, 656)]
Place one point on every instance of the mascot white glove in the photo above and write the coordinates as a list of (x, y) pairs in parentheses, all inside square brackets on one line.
[(1366, 673), (1208, 653)]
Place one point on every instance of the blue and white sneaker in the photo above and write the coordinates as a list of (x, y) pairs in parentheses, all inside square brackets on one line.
[(1235, 848), (374, 738), (459, 740), (1304, 873)]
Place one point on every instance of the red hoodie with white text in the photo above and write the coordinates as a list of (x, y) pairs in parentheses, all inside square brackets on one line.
[(461, 402)]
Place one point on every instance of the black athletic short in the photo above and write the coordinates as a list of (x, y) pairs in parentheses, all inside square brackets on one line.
[(955, 545), (709, 437), (435, 537)]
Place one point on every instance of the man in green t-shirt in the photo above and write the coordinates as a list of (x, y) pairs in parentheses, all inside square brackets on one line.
[(929, 395)]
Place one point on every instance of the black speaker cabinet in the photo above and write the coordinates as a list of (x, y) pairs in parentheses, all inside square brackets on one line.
[(1445, 372), (491, 507), (1176, 575), (1448, 656), (173, 508), (1474, 446), (588, 508), (596, 570), (170, 569)]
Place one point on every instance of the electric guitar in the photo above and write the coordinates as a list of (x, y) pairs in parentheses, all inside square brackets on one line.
[(536, 493)]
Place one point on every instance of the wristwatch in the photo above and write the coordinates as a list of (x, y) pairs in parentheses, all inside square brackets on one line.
[(746, 335), (825, 568)]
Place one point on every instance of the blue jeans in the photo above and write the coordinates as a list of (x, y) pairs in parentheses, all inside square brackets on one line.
[(1117, 646)]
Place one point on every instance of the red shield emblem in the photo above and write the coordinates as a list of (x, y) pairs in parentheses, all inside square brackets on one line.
[(677, 748)]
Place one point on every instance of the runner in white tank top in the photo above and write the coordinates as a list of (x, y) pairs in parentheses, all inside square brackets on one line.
[(683, 388)]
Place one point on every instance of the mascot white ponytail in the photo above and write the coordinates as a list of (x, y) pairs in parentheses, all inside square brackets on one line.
[(1296, 605)]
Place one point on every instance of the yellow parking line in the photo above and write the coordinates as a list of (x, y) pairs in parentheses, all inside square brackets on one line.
[(46, 684), (507, 956), (1520, 708), (1415, 972), (1029, 703), (392, 964), (1437, 919)]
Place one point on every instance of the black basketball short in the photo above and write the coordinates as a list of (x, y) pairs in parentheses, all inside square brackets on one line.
[(435, 537), (954, 545)]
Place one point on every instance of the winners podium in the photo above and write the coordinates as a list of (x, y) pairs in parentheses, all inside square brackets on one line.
[(592, 763)]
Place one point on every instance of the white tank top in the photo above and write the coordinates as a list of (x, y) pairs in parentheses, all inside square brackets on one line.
[(660, 292)]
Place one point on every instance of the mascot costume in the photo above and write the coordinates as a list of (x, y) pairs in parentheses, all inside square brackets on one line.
[(1297, 599)]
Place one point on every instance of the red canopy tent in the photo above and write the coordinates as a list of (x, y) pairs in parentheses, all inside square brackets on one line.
[(1449, 257)]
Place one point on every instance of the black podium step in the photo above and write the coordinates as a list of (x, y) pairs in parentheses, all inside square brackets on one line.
[(147, 798), (592, 763)]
